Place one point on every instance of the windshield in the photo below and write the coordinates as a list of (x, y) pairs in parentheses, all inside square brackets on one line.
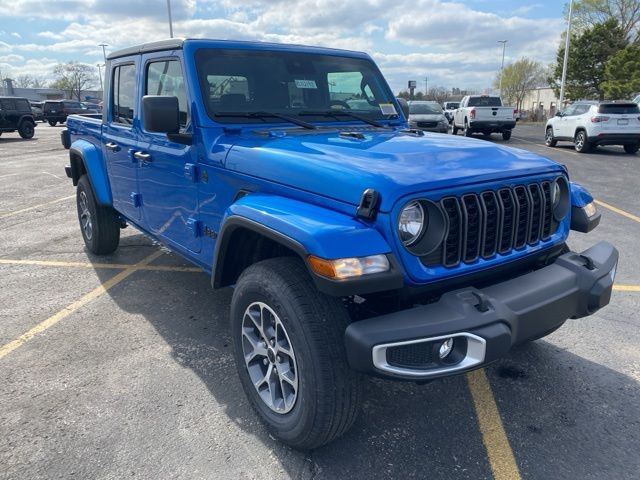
[(452, 105), (424, 108), (293, 84)]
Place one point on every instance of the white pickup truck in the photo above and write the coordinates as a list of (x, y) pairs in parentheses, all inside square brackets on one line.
[(484, 114)]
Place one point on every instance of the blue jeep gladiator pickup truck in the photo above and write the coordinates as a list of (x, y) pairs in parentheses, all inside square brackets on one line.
[(354, 244)]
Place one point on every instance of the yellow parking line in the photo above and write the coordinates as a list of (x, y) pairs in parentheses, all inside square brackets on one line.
[(618, 211), (35, 207), (116, 266), (501, 458), (626, 288), (68, 310)]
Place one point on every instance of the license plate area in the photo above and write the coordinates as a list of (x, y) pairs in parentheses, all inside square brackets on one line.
[(623, 121)]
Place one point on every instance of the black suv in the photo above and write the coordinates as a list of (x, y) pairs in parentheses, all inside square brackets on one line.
[(15, 114), (57, 111)]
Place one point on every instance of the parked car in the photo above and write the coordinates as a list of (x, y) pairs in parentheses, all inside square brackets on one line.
[(484, 114), (449, 109), (353, 244), (15, 114), (89, 108), (428, 116), (590, 124), (36, 111), (57, 111)]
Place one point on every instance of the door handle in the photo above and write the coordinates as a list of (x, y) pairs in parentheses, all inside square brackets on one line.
[(112, 146), (143, 157)]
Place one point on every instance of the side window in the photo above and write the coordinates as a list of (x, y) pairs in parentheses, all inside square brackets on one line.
[(23, 105), (165, 78), (7, 104), (123, 94), (570, 110), (580, 109), (345, 87)]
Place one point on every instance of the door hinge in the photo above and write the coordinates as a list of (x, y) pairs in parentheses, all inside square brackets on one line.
[(191, 171), (136, 199), (195, 226)]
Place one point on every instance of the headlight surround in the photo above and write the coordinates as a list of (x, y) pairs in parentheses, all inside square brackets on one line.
[(560, 198), (411, 222)]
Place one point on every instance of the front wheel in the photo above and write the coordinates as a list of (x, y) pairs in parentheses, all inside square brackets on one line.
[(100, 226), (289, 351), (549, 140), (506, 135), (581, 143), (52, 122), (26, 129), (632, 148)]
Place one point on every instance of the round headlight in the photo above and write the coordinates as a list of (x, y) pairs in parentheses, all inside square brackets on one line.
[(411, 222), (555, 194)]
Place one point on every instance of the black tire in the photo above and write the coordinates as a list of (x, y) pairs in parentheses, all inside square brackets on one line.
[(328, 392), (27, 129), (632, 148), (581, 142), (102, 235), (486, 134), (52, 122), (467, 131), (454, 129), (549, 139), (506, 135)]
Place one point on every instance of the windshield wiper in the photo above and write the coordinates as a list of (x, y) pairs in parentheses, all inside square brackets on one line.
[(344, 113), (280, 116)]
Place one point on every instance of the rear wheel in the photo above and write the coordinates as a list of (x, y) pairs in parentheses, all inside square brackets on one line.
[(289, 351), (549, 140), (100, 226), (581, 143), (632, 148), (26, 129), (52, 122), (506, 135), (467, 131), (454, 129)]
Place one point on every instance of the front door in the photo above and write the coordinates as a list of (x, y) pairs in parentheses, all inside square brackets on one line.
[(120, 135), (167, 173)]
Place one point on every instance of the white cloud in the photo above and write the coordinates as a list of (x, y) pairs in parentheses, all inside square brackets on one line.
[(16, 34), (11, 58)]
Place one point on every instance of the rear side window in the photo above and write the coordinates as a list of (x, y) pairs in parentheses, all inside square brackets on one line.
[(7, 104), (580, 109), (484, 102), (123, 94), (23, 105), (619, 108), (165, 78)]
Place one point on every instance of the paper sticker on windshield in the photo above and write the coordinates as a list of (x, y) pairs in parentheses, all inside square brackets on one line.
[(388, 109), (306, 84)]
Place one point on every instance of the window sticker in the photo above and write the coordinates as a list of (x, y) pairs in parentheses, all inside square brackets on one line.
[(388, 109), (306, 84)]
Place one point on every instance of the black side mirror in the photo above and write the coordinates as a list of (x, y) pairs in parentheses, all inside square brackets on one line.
[(160, 114), (558, 114), (404, 106)]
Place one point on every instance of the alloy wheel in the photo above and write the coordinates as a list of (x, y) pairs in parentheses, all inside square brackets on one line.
[(85, 216), (269, 357)]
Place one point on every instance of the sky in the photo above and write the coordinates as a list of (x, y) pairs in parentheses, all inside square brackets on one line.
[(448, 43)]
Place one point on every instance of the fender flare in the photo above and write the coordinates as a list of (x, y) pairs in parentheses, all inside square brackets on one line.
[(26, 118), (308, 230), (86, 158)]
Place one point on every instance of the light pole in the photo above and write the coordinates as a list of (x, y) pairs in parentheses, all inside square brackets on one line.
[(170, 22), (104, 52), (504, 46), (566, 56)]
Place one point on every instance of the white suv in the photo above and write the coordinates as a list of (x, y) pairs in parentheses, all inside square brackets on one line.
[(589, 124)]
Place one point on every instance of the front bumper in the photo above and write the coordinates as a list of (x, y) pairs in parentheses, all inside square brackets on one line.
[(484, 323)]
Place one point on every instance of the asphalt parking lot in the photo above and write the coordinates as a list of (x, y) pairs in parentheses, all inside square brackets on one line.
[(121, 366)]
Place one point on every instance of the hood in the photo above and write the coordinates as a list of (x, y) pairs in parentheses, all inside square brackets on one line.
[(426, 117), (393, 163)]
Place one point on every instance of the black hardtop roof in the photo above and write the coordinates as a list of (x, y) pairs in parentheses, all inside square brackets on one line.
[(12, 98)]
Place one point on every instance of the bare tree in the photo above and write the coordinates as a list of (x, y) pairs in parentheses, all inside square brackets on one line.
[(439, 94), (588, 13), (24, 81), (74, 77), (39, 83)]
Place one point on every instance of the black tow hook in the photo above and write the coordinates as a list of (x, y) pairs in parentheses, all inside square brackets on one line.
[(588, 262)]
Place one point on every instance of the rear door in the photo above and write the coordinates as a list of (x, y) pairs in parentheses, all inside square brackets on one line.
[(167, 172), (7, 106), (120, 135)]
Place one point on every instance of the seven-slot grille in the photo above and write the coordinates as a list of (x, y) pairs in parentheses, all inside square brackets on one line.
[(482, 225)]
